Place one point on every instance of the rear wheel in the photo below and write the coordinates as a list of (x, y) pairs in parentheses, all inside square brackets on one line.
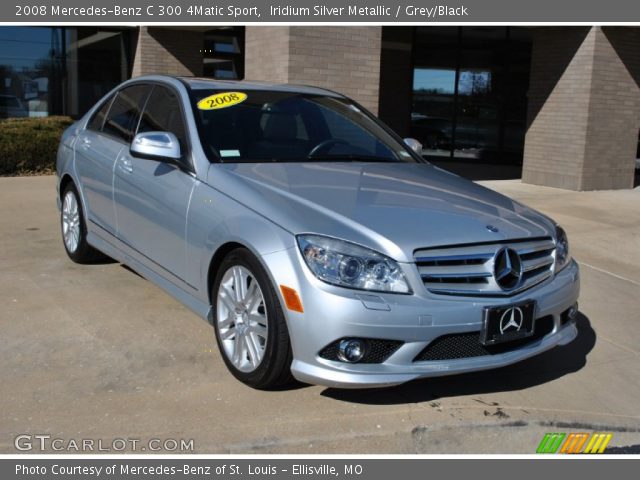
[(249, 324), (74, 228)]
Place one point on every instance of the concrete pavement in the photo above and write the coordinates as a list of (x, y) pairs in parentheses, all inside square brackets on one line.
[(98, 352)]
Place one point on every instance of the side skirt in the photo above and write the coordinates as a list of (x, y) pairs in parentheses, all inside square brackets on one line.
[(121, 252)]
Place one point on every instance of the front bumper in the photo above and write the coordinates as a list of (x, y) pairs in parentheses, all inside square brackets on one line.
[(331, 313)]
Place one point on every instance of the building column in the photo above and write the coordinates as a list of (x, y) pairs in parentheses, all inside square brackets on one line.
[(396, 78), (584, 108), (169, 51), (344, 59)]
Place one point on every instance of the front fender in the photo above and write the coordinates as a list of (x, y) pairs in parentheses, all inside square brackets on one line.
[(215, 220)]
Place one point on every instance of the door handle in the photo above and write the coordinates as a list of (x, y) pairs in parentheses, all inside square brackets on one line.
[(125, 165)]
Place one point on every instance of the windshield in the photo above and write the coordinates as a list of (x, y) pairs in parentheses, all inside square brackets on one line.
[(270, 126)]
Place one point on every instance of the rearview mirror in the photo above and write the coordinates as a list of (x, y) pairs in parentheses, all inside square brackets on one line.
[(414, 145), (159, 145)]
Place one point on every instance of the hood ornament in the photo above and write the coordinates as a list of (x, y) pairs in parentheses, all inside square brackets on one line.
[(493, 229)]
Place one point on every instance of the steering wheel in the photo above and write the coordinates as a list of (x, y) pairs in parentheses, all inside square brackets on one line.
[(326, 144)]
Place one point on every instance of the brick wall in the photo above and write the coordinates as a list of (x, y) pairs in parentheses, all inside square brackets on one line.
[(344, 59), (157, 51), (558, 109), (584, 109), (267, 54), (614, 111)]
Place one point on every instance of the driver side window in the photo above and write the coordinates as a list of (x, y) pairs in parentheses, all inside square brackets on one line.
[(124, 112), (164, 114)]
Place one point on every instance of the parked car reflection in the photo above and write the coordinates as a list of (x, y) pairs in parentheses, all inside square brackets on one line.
[(11, 106)]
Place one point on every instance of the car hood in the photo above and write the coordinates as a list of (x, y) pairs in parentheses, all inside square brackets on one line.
[(394, 208)]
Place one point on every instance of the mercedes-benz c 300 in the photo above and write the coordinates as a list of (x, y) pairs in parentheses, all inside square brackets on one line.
[(319, 244)]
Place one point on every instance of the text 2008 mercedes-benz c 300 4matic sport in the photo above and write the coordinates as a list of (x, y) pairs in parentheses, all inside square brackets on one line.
[(319, 244)]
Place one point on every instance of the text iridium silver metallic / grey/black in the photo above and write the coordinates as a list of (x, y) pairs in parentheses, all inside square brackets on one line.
[(318, 244)]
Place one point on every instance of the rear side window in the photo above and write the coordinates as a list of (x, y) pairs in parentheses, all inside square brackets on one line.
[(97, 121), (163, 114), (124, 113)]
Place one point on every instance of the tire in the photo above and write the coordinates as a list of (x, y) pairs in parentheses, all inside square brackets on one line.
[(74, 228), (250, 329)]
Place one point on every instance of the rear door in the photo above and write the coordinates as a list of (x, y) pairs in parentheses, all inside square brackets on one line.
[(98, 147), (152, 196)]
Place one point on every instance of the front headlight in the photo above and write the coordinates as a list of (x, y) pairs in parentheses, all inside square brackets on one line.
[(349, 265), (563, 256)]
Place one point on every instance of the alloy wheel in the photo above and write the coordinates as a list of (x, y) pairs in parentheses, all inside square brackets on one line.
[(70, 222), (241, 317)]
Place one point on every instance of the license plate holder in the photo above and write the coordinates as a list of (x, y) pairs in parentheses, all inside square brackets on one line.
[(506, 323)]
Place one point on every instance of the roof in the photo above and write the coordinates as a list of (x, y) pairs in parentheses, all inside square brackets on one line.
[(197, 83)]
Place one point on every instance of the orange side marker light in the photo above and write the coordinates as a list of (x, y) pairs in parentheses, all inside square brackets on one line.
[(291, 299)]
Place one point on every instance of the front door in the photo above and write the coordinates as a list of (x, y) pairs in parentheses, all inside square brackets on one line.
[(152, 196), (107, 135)]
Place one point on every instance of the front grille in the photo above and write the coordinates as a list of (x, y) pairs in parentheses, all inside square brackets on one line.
[(376, 351), (467, 345), (469, 269)]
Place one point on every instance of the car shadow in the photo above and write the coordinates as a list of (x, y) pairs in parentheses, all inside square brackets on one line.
[(101, 259), (543, 368), (131, 270)]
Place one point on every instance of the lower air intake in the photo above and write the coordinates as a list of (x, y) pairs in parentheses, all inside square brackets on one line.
[(467, 345)]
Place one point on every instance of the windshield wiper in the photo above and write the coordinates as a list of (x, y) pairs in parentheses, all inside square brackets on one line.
[(349, 158)]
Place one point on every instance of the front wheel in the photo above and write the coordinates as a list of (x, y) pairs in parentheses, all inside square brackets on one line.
[(250, 327)]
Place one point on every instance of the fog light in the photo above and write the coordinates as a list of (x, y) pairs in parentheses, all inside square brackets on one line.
[(351, 350), (569, 315)]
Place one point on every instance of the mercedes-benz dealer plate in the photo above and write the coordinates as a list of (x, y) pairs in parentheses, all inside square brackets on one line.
[(507, 323)]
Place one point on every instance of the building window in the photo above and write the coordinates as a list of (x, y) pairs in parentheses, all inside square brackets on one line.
[(98, 59), (59, 71), (30, 58), (470, 97), (223, 53)]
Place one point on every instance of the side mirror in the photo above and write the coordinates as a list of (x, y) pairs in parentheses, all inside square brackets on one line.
[(414, 145), (156, 145)]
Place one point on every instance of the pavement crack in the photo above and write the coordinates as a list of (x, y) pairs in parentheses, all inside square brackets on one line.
[(602, 270), (622, 347)]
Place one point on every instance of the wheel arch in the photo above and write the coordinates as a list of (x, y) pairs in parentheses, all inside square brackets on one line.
[(65, 180), (214, 265)]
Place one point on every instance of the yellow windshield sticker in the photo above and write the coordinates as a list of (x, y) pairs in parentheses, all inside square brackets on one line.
[(221, 100)]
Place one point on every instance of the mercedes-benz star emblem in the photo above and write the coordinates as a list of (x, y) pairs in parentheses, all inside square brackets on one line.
[(507, 268), (511, 318)]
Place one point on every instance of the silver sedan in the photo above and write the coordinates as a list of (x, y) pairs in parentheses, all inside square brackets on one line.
[(318, 244)]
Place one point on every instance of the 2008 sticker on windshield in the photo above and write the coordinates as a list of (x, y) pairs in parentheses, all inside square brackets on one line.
[(221, 100)]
